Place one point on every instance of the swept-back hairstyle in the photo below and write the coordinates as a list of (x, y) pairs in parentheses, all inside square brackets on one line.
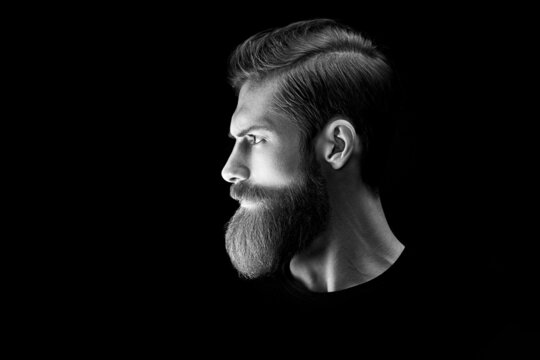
[(323, 69)]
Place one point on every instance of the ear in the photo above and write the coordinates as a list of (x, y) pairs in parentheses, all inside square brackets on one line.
[(338, 143)]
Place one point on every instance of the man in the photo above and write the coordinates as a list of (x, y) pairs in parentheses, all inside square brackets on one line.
[(311, 130), (313, 100)]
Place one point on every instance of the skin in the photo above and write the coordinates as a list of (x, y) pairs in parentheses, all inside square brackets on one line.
[(358, 244), (274, 161)]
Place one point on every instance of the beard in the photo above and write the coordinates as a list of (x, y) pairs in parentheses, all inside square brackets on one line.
[(282, 222)]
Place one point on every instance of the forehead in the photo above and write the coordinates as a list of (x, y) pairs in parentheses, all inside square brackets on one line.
[(255, 98), (254, 108)]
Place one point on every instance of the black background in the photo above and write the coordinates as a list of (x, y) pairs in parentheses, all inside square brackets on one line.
[(158, 109)]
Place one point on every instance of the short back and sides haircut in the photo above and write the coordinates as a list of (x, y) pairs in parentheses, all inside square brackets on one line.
[(324, 69)]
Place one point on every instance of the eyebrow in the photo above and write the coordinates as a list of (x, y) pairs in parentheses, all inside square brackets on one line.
[(251, 128)]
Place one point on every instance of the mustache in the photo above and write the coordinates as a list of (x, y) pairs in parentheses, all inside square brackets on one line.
[(246, 192)]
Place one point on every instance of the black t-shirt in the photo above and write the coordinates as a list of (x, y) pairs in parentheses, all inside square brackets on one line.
[(413, 308)]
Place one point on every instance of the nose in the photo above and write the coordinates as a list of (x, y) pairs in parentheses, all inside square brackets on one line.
[(235, 169)]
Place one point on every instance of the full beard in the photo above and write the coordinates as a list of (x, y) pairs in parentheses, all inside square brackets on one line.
[(282, 222)]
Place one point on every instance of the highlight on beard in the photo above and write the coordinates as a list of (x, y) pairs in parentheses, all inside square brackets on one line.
[(252, 241), (247, 193)]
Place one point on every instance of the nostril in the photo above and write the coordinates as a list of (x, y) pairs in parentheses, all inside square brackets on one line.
[(235, 174), (226, 174), (229, 177)]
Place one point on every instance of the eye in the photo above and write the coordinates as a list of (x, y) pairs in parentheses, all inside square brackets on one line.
[(255, 139)]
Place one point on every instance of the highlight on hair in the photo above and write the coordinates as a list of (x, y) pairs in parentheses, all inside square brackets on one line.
[(324, 69)]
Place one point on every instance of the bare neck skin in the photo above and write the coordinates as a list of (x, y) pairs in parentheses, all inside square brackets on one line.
[(357, 246)]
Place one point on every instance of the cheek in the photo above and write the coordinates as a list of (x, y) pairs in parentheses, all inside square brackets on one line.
[(279, 168), (286, 164)]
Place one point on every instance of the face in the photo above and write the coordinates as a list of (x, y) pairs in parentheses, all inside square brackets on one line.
[(282, 193), (266, 148)]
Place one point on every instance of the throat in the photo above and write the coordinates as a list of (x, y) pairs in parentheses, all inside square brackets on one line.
[(342, 268)]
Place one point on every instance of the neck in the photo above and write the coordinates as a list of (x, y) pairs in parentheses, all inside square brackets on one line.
[(357, 246)]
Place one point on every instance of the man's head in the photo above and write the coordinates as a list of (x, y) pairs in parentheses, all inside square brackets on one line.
[(313, 98)]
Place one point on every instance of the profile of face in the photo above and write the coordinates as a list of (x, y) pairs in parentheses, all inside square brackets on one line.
[(282, 193)]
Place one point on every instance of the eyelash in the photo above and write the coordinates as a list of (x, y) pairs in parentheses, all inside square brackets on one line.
[(255, 137)]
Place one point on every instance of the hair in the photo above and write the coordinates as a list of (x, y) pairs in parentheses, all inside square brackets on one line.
[(324, 69)]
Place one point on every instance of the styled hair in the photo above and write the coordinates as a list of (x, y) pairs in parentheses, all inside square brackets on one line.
[(324, 69)]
